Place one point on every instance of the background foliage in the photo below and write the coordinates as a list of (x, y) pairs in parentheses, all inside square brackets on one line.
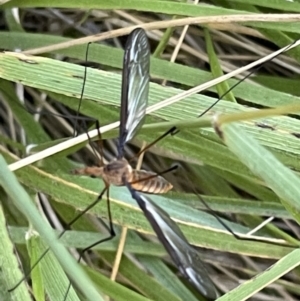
[(242, 184)]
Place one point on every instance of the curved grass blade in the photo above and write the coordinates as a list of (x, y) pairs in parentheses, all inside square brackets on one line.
[(262, 163), (23, 202), (9, 269), (257, 283)]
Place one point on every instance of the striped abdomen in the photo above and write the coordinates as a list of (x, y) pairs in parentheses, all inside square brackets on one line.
[(147, 181)]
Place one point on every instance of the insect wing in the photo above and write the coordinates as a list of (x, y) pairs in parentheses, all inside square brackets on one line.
[(182, 253), (135, 86)]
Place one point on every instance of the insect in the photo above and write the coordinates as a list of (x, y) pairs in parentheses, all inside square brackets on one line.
[(134, 96), (134, 100)]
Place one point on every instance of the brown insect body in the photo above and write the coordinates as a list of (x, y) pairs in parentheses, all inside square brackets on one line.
[(149, 182), (115, 172)]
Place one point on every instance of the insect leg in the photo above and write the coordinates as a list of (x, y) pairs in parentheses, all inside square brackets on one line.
[(170, 131), (109, 228)]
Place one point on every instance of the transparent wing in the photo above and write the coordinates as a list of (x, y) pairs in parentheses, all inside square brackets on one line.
[(182, 253), (135, 86)]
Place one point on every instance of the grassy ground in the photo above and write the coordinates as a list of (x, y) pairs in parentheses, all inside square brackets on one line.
[(241, 160)]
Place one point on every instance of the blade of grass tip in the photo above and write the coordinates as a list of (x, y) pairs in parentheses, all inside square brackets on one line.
[(216, 69), (23, 202), (257, 283), (263, 164), (9, 267), (164, 41), (36, 274), (13, 23), (51, 275)]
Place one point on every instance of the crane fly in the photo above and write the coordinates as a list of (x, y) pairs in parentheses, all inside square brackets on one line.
[(134, 99)]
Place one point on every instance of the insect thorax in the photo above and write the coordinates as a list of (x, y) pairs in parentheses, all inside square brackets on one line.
[(116, 172)]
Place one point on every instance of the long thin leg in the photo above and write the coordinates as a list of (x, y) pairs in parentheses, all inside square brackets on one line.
[(215, 215), (100, 143), (59, 236), (156, 174), (171, 131), (82, 89), (109, 228), (94, 120)]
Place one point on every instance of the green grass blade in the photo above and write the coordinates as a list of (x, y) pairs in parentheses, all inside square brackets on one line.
[(216, 69), (254, 285), (9, 268), (23, 202), (263, 164)]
